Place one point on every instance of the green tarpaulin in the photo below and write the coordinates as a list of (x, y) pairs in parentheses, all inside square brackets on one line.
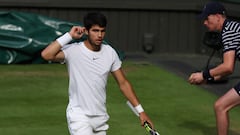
[(24, 35)]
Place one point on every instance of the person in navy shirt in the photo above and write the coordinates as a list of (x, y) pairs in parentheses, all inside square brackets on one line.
[(214, 18)]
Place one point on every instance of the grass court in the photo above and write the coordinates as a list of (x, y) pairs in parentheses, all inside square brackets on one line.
[(33, 99)]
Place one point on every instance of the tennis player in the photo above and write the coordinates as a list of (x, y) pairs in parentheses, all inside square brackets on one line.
[(89, 63)]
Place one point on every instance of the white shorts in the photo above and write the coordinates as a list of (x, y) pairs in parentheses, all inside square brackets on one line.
[(81, 124)]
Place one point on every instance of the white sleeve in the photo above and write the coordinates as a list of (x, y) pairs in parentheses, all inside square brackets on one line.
[(117, 63)]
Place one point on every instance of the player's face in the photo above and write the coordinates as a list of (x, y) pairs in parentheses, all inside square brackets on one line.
[(212, 22), (96, 35)]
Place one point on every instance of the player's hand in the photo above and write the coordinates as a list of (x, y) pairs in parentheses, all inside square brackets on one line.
[(196, 78), (143, 118), (77, 32)]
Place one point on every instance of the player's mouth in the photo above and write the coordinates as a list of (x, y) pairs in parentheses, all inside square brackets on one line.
[(99, 41)]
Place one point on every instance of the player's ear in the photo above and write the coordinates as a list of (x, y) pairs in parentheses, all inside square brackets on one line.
[(86, 32)]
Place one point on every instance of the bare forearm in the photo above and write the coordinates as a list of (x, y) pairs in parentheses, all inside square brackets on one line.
[(51, 51), (129, 93), (227, 67), (220, 71)]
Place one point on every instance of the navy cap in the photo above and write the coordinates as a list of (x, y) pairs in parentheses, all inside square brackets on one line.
[(212, 8)]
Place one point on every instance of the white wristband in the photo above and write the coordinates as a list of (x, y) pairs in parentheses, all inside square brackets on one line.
[(64, 39), (139, 108)]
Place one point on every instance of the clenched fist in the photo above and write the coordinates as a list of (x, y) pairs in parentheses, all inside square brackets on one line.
[(196, 78), (77, 32)]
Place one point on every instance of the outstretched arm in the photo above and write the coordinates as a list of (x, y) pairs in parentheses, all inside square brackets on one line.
[(129, 93), (221, 70)]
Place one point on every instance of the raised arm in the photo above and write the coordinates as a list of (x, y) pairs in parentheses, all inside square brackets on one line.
[(53, 51)]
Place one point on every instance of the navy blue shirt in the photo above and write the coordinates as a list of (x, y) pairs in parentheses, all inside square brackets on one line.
[(231, 37)]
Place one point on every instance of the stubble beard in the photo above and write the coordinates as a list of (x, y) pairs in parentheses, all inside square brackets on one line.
[(96, 47)]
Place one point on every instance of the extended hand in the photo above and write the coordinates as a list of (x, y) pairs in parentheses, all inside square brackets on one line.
[(196, 78)]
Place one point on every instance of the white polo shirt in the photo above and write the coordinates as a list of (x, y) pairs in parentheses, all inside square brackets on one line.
[(88, 73)]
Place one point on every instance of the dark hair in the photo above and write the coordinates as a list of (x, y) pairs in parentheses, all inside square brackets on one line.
[(94, 18)]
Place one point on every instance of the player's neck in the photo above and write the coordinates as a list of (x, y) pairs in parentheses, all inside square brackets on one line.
[(92, 46), (222, 20)]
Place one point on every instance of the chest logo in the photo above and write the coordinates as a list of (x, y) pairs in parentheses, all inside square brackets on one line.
[(95, 58)]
